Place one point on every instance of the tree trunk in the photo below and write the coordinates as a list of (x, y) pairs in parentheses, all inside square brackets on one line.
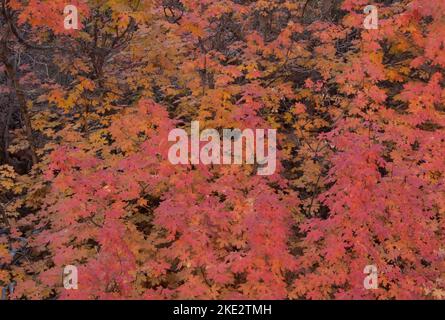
[(12, 75), (5, 116)]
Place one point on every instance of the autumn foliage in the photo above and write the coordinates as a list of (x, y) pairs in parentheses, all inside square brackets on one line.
[(85, 178)]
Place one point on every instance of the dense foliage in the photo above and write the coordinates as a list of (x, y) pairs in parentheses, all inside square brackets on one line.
[(85, 179)]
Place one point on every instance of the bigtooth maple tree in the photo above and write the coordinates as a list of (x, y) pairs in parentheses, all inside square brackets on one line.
[(385, 203), (360, 121)]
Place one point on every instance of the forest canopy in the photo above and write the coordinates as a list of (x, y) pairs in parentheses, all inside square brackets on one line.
[(85, 178)]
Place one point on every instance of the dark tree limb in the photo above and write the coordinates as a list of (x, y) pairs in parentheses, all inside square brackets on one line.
[(11, 72)]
